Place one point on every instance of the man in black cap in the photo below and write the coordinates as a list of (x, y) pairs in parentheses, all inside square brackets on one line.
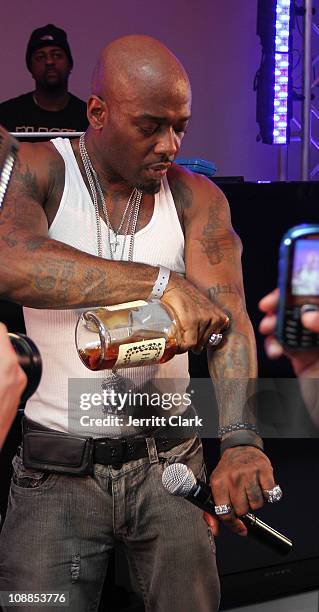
[(50, 107)]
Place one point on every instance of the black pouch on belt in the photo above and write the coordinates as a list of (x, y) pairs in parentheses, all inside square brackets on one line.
[(57, 452)]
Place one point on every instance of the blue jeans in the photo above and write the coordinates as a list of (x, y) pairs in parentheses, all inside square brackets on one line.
[(60, 529)]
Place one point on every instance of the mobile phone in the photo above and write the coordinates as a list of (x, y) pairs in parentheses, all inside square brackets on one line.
[(298, 283)]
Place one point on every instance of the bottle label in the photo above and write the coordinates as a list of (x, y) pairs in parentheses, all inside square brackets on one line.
[(125, 305), (137, 353)]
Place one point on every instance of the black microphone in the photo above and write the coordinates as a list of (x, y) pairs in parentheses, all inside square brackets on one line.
[(178, 479)]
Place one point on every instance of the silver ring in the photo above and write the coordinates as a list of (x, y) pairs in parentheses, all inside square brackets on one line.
[(215, 339), (272, 495), (223, 509)]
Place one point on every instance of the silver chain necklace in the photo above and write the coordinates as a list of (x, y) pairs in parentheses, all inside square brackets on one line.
[(131, 209)]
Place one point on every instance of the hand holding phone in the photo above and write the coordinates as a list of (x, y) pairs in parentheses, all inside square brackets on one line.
[(299, 286)]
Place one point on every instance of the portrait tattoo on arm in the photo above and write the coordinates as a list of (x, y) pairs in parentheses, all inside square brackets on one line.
[(216, 244)]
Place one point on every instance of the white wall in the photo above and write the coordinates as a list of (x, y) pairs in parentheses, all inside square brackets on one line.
[(215, 40)]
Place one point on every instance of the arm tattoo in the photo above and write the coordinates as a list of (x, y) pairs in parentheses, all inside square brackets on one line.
[(54, 280), (232, 360), (232, 364), (216, 247), (53, 275), (218, 289), (182, 194), (227, 289), (92, 279), (229, 369), (56, 181), (183, 200), (9, 239), (25, 183)]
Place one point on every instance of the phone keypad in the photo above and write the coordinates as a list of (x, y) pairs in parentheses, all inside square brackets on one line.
[(295, 335)]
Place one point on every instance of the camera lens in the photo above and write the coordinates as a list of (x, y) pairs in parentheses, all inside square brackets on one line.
[(30, 361)]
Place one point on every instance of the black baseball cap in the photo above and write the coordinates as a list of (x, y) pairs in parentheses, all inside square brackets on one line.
[(49, 35)]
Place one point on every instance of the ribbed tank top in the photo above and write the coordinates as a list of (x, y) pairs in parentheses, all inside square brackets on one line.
[(161, 242)]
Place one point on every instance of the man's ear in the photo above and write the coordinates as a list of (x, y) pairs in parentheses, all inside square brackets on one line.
[(97, 112)]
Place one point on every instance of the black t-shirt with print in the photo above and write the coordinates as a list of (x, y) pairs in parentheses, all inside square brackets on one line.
[(22, 114)]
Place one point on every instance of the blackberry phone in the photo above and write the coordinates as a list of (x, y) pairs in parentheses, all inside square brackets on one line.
[(298, 283)]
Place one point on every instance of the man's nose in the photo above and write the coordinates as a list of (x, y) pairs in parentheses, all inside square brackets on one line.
[(49, 59), (167, 144)]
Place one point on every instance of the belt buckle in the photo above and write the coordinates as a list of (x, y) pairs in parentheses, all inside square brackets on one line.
[(162, 444), (119, 452)]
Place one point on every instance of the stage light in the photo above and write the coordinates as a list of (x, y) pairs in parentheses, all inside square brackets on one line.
[(273, 80)]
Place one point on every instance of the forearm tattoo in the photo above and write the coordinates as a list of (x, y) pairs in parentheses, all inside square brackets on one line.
[(220, 289), (230, 368), (46, 273)]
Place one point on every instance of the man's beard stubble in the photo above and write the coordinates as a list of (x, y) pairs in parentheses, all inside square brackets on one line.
[(149, 189)]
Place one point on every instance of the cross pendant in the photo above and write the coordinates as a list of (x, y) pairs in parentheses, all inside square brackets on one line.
[(114, 245)]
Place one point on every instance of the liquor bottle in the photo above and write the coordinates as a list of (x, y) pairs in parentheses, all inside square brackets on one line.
[(126, 335)]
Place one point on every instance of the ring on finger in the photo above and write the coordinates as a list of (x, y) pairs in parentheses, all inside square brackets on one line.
[(215, 339), (223, 509), (272, 495)]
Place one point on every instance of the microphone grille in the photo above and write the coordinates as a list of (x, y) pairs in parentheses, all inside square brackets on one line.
[(178, 479)]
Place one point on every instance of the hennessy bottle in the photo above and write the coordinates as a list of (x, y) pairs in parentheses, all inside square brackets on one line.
[(126, 335)]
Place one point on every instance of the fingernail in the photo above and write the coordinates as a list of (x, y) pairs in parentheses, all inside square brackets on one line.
[(309, 308), (273, 349)]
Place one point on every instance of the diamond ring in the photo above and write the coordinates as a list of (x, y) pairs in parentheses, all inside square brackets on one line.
[(272, 495), (223, 509), (215, 339)]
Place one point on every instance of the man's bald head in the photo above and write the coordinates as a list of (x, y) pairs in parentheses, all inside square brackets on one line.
[(137, 63), (138, 111)]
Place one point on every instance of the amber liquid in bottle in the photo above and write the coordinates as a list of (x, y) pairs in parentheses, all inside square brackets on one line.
[(91, 357)]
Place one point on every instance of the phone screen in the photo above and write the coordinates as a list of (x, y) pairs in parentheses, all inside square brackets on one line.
[(305, 268)]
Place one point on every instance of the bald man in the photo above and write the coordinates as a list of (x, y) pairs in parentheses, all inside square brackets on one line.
[(102, 220)]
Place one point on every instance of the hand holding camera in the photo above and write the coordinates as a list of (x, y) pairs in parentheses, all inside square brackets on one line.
[(20, 374), (13, 381)]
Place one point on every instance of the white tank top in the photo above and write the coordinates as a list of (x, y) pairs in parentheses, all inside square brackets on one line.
[(56, 404)]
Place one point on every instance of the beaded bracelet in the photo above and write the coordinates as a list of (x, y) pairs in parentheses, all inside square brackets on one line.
[(236, 427), (160, 284)]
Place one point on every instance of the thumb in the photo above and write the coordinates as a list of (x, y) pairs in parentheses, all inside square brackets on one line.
[(212, 523), (310, 317)]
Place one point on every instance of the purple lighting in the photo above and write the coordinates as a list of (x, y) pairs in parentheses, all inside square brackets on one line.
[(275, 23), (280, 115)]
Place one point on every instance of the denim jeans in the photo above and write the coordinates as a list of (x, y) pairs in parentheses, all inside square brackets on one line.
[(60, 529)]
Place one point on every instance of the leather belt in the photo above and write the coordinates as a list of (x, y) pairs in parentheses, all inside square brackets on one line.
[(110, 452), (50, 450)]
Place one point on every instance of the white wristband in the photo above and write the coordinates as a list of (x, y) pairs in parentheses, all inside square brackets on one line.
[(160, 284)]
